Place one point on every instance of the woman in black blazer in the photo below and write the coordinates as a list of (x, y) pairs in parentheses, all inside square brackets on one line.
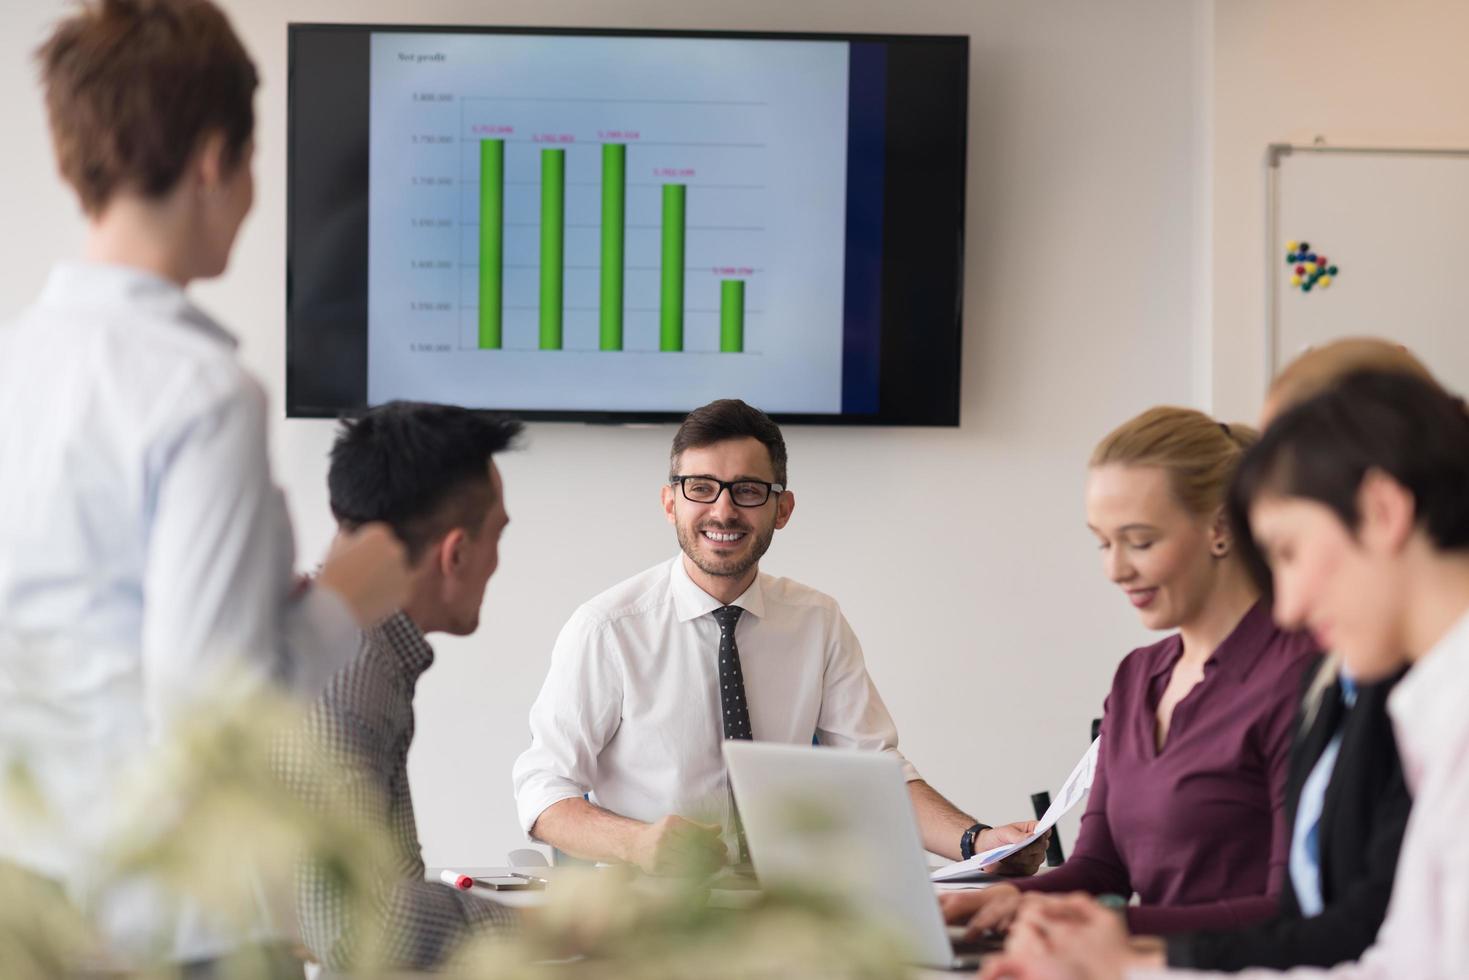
[(1364, 814), (1365, 810)]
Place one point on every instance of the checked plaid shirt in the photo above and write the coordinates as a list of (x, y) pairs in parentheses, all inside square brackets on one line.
[(363, 724)]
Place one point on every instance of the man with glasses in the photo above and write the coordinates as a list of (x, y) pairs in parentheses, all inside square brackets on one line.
[(650, 677)]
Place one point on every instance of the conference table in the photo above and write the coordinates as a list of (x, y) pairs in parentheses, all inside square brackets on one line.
[(733, 899)]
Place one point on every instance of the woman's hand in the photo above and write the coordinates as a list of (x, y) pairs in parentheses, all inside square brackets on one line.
[(984, 910), (1064, 937), (368, 568)]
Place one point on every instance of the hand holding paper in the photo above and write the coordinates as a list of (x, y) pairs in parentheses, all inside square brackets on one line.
[(1073, 791), (1023, 835)]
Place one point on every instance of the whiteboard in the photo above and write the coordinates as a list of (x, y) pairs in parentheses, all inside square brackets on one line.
[(1395, 223)]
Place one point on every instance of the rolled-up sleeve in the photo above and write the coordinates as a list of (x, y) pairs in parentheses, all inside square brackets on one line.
[(573, 718), (852, 713), (218, 578)]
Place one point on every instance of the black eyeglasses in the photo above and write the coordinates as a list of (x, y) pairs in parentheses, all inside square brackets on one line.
[(743, 493)]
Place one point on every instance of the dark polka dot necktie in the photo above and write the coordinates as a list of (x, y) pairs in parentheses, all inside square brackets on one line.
[(734, 709)]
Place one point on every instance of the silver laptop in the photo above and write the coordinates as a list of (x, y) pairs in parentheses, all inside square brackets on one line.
[(842, 820)]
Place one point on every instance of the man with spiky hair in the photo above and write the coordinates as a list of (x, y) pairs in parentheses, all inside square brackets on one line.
[(428, 472)]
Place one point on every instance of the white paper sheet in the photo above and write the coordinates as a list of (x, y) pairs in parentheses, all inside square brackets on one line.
[(1073, 791)]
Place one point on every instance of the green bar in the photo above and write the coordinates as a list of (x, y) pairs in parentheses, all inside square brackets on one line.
[(670, 332), (732, 316), (614, 202), (553, 245), (491, 244)]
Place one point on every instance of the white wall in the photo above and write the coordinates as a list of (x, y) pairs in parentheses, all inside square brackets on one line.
[(1356, 72), (960, 556)]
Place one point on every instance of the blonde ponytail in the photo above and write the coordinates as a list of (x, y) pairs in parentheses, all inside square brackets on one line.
[(1198, 453)]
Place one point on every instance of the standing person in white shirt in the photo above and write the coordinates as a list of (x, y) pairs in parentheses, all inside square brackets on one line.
[(1359, 500), (648, 678), (144, 549)]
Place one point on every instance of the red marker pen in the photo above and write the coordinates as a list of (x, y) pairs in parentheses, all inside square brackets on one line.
[(460, 881)]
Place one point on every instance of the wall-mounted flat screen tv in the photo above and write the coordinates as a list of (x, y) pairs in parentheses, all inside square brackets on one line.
[(609, 225)]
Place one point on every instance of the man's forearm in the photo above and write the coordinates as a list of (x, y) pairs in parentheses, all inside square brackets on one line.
[(583, 830), (940, 823)]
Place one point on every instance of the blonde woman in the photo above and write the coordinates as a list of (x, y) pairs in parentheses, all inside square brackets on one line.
[(1186, 809)]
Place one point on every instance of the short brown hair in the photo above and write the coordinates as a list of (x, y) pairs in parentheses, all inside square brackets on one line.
[(1320, 368), (729, 418), (1198, 454), (133, 86)]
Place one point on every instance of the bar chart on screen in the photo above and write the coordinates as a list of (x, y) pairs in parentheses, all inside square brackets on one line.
[(567, 221), (610, 224)]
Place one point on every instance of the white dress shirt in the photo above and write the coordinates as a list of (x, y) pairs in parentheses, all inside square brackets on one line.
[(1426, 933), (143, 548), (630, 710)]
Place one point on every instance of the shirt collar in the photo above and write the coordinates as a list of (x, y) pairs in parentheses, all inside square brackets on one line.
[(690, 602), (401, 637), (1427, 706), (95, 284), (1241, 649)]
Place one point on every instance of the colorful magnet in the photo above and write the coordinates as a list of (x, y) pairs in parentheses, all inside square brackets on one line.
[(1308, 269)]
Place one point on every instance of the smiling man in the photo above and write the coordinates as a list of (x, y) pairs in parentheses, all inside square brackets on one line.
[(650, 677)]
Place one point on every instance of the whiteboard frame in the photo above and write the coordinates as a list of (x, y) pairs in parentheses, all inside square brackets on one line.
[(1274, 153)]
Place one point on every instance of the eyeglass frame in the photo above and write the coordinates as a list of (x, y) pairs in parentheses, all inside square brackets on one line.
[(771, 489)]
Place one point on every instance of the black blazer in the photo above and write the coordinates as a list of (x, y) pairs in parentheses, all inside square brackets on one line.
[(1363, 817)]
